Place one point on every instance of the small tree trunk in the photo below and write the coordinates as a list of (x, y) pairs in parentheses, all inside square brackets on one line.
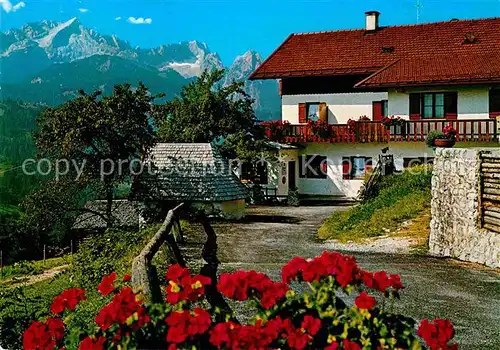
[(144, 277)]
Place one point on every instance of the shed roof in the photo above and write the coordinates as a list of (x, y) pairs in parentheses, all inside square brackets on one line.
[(189, 172)]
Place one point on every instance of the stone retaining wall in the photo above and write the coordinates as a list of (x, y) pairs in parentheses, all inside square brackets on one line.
[(455, 225)]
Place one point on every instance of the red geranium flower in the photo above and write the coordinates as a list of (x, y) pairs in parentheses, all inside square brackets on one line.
[(367, 278), (314, 270), (298, 340), (184, 324), (332, 346), (396, 283), (311, 325), (365, 301), (107, 284), (382, 281), (56, 328), (92, 343), (242, 285), (438, 334), (183, 287), (291, 271), (127, 278), (199, 322), (350, 345), (176, 272), (43, 335), (68, 299), (122, 306), (38, 337), (220, 334)]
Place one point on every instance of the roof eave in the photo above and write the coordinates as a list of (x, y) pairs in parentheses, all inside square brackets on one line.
[(454, 82), (315, 73), (252, 76)]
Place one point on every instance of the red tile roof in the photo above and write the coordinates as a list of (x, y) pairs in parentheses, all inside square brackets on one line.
[(436, 70), (421, 54)]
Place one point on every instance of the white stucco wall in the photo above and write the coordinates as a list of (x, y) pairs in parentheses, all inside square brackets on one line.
[(341, 107), (473, 102), (335, 185)]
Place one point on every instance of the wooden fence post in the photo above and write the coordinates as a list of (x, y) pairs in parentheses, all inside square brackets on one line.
[(144, 276)]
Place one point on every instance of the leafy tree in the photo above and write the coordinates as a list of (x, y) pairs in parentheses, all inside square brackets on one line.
[(206, 111), (17, 122), (103, 135)]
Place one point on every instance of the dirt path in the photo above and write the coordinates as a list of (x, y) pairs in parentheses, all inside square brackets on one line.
[(22, 281), (467, 295)]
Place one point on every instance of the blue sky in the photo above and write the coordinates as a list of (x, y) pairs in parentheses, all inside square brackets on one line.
[(231, 27)]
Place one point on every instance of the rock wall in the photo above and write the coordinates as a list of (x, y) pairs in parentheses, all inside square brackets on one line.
[(455, 225)]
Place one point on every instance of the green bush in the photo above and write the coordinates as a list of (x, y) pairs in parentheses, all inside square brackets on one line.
[(401, 197), (293, 197), (112, 251), (433, 135)]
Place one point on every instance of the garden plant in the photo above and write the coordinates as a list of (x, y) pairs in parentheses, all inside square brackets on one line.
[(340, 306)]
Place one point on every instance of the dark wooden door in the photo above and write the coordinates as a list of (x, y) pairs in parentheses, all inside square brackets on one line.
[(292, 180)]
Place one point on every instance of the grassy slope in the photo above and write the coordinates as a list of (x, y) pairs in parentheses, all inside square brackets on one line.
[(113, 251), (402, 197)]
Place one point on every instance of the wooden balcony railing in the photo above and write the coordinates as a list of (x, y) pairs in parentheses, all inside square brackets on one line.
[(478, 130)]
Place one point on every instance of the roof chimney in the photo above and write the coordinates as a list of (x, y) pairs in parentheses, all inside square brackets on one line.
[(372, 21)]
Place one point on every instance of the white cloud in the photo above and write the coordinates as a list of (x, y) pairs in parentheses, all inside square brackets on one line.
[(18, 6), (83, 10), (139, 20), (8, 7), (118, 18)]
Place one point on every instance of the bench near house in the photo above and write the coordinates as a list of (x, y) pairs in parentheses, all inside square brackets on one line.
[(430, 75)]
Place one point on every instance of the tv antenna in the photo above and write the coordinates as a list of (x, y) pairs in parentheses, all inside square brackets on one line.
[(419, 7)]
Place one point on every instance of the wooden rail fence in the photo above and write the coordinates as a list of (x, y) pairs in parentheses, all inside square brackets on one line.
[(490, 192)]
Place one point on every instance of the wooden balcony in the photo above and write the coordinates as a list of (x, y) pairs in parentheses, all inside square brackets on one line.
[(476, 130)]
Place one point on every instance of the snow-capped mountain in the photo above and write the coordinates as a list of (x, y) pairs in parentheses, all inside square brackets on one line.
[(72, 53), (64, 41), (188, 59)]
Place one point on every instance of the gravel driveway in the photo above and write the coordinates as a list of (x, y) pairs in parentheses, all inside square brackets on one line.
[(467, 295)]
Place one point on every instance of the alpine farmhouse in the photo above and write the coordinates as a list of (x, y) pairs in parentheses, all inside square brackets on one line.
[(429, 75)]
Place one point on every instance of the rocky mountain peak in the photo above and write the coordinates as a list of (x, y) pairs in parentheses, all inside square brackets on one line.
[(197, 47), (53, 48), (243, 66)]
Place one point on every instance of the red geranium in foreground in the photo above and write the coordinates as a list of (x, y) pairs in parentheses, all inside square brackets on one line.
[(107, 284), (316, 318), (68, 299), (437, 334)]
